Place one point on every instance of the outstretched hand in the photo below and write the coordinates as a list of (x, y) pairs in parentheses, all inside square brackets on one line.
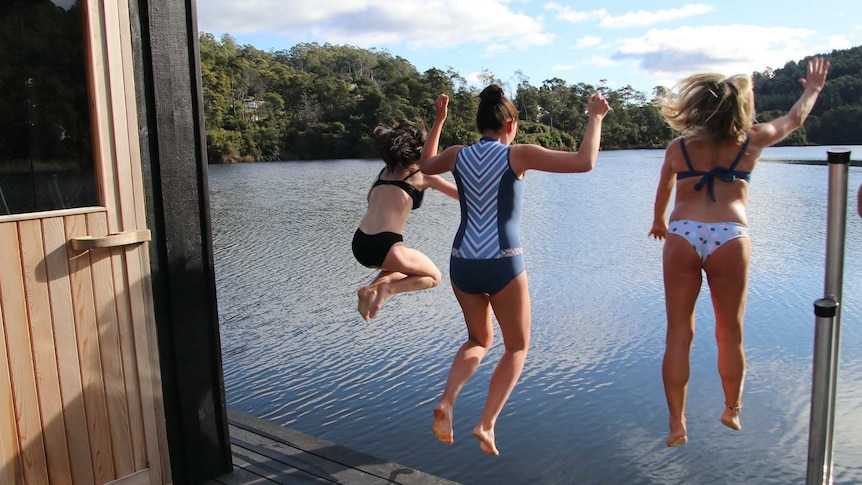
[(816, 78), (659, 230), (441, 106), (598, 105)]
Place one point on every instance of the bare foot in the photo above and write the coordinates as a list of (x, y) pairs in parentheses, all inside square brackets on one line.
[(377, 301), (486, 440), (674, 440), (678, 434), (730, 417), (443, 424), (366, 298)]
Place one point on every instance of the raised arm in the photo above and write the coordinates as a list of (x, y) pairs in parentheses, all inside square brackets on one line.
[(525, 157), (431, 162), (772, 132), (444, 162), (666, 181), (441, 110), (437, 182)]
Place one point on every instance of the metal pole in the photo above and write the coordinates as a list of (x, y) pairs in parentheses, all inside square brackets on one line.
[(827, 335)]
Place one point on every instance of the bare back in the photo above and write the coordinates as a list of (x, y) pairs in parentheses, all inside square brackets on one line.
[(705, 155), (389, 206)]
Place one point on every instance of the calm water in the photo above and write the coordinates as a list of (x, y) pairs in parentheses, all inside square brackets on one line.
[(589, 407)]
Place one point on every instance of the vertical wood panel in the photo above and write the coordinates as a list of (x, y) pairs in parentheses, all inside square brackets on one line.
[(122, 189), (137, 194), (23, 375), (161, 436), (111, 355), (44, 353), (144, 365), (81, 281), (124, 219), (10, 468), (127, 346), (137, 261), (103, 129), (65, 337)]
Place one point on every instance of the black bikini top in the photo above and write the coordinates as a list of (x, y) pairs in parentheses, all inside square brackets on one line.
[(721, 173), (412, 191)]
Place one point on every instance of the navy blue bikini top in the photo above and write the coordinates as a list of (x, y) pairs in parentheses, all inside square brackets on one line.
[(412, 191), (721, 173)]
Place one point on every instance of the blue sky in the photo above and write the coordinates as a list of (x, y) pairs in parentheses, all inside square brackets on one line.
[(626, 42)]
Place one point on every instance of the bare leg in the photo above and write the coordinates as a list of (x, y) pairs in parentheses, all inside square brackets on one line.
[(682, 282), (512, 309), (404, 269), (727, 274), (480, 336), (368, 294)]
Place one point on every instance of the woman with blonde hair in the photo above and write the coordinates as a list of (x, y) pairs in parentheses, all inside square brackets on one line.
[(710, 166)]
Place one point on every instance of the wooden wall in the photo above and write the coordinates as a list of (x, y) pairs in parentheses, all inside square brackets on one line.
[(76, 385), (110, 360)]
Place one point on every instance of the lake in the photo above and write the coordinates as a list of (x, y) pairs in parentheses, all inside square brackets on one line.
[(590, 407)]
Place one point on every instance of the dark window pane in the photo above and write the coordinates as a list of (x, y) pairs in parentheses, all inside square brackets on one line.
[(46, 153)]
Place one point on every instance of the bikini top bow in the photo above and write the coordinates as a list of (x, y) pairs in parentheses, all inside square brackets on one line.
[(723, 174)]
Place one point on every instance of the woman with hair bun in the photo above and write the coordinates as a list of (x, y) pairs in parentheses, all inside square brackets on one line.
[(710, 167), (399, 189), (487, 261)]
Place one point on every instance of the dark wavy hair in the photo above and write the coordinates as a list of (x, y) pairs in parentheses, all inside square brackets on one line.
[(495, 109), (400, 143)]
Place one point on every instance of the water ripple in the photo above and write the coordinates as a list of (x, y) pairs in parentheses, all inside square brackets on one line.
[(589, 407)]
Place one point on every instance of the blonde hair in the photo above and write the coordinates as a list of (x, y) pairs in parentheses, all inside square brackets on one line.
[(711, 105)]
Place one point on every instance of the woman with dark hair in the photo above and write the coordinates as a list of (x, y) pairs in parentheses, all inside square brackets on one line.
[(487, 261), (399, 188), (710, 167)]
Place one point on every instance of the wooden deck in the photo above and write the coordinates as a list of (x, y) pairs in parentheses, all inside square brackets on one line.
[(264, 453)]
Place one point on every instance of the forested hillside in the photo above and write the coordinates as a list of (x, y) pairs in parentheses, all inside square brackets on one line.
[(322, 102)]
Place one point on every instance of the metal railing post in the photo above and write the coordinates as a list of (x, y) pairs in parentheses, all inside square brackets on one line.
[(827, 333)]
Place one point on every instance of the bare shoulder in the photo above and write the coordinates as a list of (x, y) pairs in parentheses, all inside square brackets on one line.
[(674, 148), (442, 162), (762, 135), (676, 142), (528, 149)]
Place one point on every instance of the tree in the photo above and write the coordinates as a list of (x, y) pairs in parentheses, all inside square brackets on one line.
[(323, 101)]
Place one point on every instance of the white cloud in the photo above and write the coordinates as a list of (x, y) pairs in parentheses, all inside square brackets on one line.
[(596, 61), (727, 49), (367, 23), (588, 41), (475, 78), (839, 42), (574, 16), (641, 18)]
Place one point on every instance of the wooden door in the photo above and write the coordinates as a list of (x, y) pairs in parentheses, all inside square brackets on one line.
[(80, 391)]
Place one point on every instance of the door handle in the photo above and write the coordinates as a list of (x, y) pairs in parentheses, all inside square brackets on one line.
[(84, 243)]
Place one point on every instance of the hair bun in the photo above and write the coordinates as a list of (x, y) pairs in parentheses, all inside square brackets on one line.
[(492, 94)]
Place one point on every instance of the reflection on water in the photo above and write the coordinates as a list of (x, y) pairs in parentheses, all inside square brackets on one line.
[(589, 407)]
